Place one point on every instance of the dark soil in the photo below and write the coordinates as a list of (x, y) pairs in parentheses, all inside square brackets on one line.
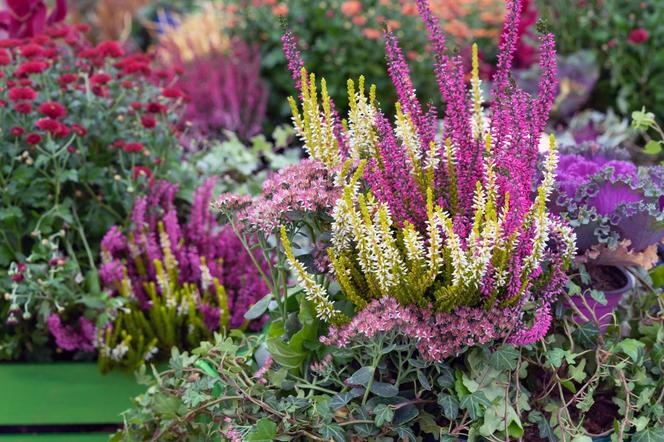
[(601, 415), (531, 434), (606, 278)]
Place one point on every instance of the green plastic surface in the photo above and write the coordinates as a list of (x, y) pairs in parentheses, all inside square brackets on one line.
[(60, 437), (63, 393)]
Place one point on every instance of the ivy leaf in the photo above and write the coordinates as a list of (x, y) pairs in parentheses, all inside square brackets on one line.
[(383, 414), (334, 432), (450, 406), (649, 435), (504, 358), (206, 368), (446, 378), (264, 431), (361, 376), (555, 357), (586, 334), (383, 389), (582, 438), (473, 402), (405, 433), (598, 296), (341, 399), (631, 348), (545, 430), (577, 371)]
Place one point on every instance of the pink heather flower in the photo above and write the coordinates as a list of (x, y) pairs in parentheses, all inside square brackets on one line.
[(437, 336), (225, 92), (538, 330), (294, 58), (71, 338)]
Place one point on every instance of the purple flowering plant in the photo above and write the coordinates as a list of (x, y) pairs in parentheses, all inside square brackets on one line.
[(438, 222), (176, 283)]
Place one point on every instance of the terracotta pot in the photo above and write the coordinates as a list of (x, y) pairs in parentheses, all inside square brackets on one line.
[(613, 297)]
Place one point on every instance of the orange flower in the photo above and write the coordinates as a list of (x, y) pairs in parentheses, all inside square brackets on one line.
[(280, 10), (409, 9), (371, 33), (393, 25), (359, 20), (351, 7)]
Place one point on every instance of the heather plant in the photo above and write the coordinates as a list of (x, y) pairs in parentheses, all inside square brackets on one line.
[(220, 74), (438, 225), (175, 283), (84, 129)]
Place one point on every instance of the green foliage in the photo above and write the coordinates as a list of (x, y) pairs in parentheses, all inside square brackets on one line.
[(333, 46), (137, 335), (631, 71), (382, 388)]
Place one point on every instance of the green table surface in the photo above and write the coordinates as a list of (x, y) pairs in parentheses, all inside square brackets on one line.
[(62, 394), (61, 437)]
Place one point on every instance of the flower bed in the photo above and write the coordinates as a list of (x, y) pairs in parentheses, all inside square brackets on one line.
[(409, 265)]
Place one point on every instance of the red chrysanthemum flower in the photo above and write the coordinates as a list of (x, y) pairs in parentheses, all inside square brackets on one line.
[(52, 109), (9, 42), (16, 131), (22, 93), (66, 79), (148, 121), (110, 48), (5, 57), (53, 127), (638, 36), (31, 50), (79, 130), (155, 108), (23, 108), (31, 67), (133, 147), (100, 78), (170, 92), (33, 138), (138, 171)]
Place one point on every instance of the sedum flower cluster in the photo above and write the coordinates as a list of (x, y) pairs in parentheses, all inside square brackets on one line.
[(438, 222), (178, 282)]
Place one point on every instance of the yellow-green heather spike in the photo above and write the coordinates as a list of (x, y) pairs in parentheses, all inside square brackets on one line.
[(451, 173), (477, 96)]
